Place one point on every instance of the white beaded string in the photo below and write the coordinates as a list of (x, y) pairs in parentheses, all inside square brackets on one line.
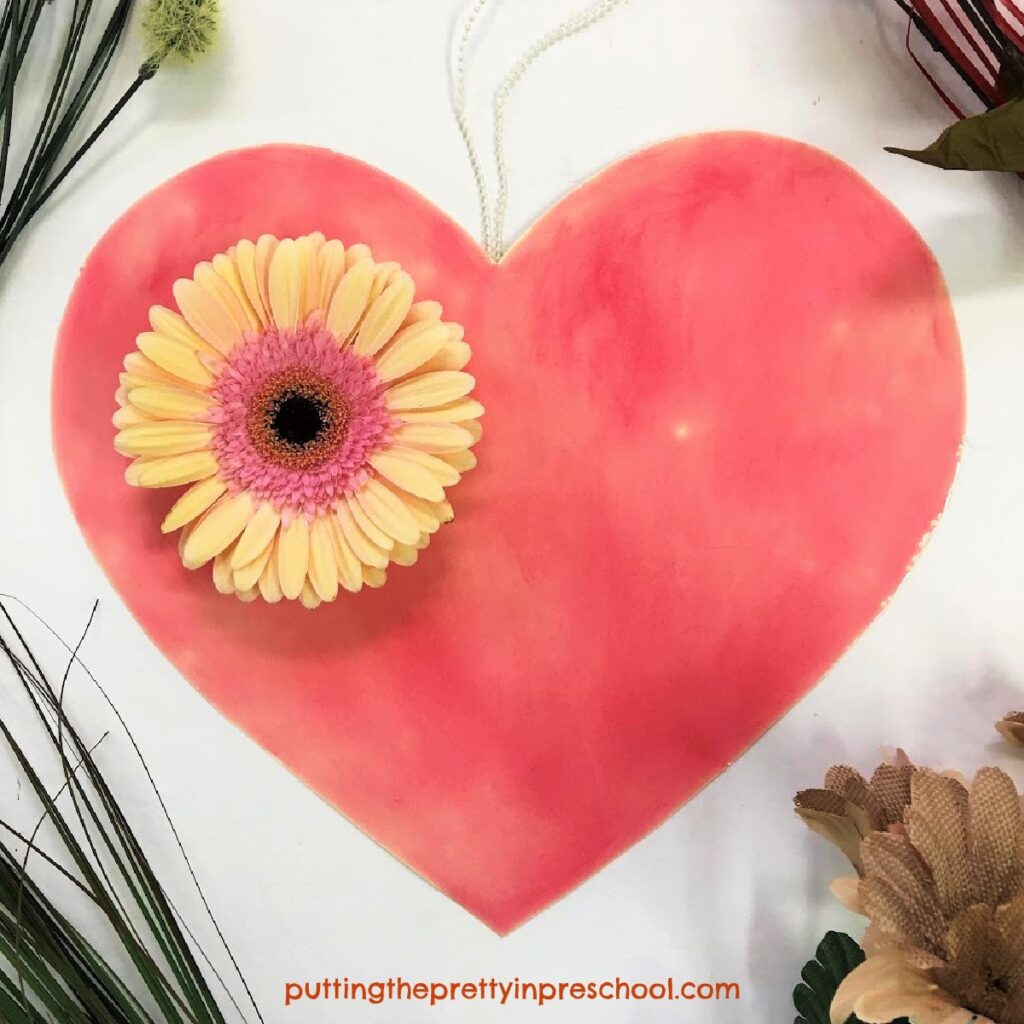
[(492, 225), (459, 105)]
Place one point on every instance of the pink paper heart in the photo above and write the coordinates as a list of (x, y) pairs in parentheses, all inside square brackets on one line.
[(724, 402)]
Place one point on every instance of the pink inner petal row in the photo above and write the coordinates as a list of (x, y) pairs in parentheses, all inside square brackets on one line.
[(313, 350)]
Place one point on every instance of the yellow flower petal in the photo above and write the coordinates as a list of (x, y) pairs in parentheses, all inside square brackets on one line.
[(258, 534), (245, 257), (168, 402), (217, 529), (183, 538), (130, 381), (355, 253), (434, 437), (193, 503), (373, 577), (445, 474), (222, 578), (129, 416), (408, 476), (368, 526), (426, 309), (350, 298), (362, 547), (206, 314), (454, 412), (461, 462), (163, 438), (176, 470), (176, 357), (308, 596), (452, 356), (429, 390), (227, 270), (168, 323), (269, 585), (307, 248), (323, 566), (247, 596), (384, 274), (286, 285), (385, 315), (227, 290), (248, 576), (266, 246), (426, 513), (144, 371), (404, 554), (475, 428), (412, 347), (330, 269), (293, 556), (387, 511), (133, 472), (350, 569)]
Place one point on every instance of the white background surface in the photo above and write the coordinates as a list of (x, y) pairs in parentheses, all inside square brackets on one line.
[(731, 887)]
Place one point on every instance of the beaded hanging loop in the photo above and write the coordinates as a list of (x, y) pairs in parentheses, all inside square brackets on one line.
[(492, 222)]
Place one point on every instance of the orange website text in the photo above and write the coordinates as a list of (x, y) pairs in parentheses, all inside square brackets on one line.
[(502, 992)]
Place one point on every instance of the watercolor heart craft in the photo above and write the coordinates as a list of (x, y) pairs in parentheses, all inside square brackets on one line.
[(724, 399)]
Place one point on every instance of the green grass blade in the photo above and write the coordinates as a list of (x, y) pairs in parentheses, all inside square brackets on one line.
[(51, 959)]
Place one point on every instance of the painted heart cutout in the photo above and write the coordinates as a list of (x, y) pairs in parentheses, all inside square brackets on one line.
[(724, 401)]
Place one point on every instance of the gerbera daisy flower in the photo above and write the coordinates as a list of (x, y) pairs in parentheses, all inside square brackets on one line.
[(316, 410)]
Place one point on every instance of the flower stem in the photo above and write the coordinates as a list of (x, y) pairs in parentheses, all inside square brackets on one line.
[(10, 76), (116, 109), (76, 79), (61, 84), (34, 205)]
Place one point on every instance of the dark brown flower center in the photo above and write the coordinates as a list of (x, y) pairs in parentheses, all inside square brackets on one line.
[(297, 419)]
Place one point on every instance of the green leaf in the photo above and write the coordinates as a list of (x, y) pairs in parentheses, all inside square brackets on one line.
[(836, 956), (993, 141)]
